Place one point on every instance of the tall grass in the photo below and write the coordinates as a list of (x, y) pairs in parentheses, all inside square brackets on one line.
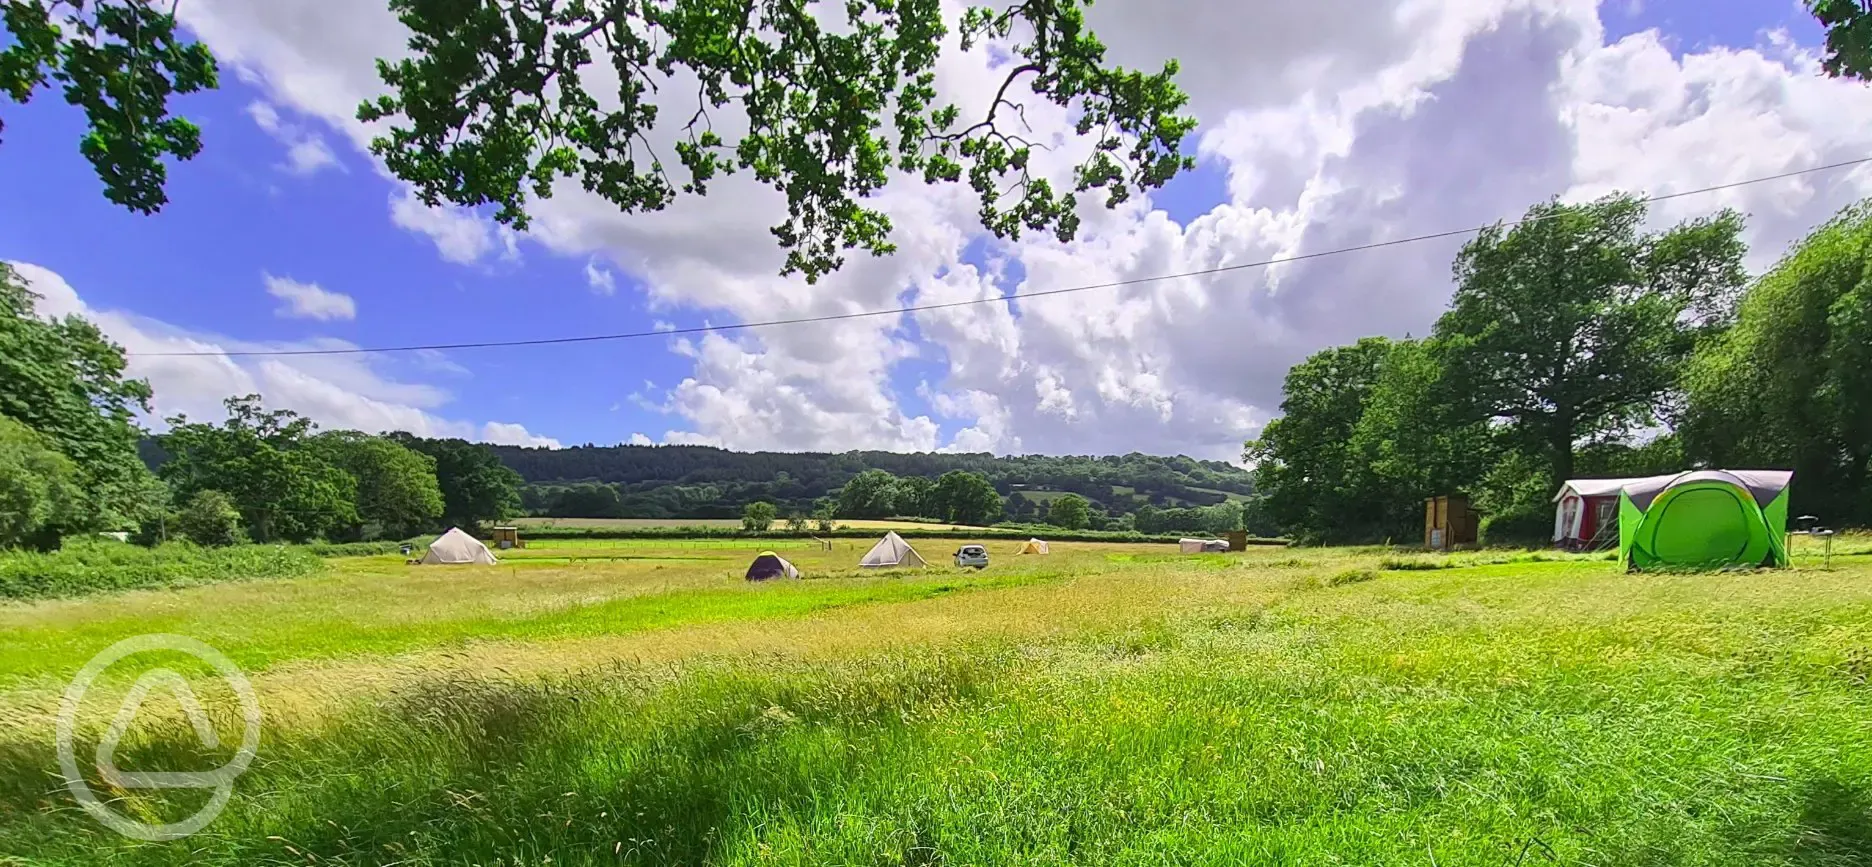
[(1177, 743), (87, 566), (1100, 706)]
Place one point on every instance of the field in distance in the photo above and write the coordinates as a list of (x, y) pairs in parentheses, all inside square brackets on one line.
[(636, 702), (662, 523)]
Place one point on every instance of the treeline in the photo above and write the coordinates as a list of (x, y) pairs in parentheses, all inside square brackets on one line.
[(968, 498), (268, 475), (706, 482), (73, 461), (1577, 344)]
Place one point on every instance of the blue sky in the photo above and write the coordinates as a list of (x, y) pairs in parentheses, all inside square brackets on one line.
[(238, 214), (1697, 24), (234, 215)]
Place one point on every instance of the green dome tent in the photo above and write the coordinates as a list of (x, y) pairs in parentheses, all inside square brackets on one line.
[(1707, 519)]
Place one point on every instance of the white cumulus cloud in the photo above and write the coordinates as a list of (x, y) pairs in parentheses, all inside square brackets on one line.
[(1329, 125), (599, 279), (309, 300), (306, 150), (508, 434)]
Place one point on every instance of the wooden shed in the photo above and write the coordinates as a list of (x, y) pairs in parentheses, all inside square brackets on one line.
[(1449, 522), (507, 537)]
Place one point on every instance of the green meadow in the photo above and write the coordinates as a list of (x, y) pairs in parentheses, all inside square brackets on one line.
[(631, 703)]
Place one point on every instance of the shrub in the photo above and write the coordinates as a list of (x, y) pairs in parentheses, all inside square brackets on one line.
[(361, 549), (1526, 527), (96, 566), (758, 517), (210, 520)]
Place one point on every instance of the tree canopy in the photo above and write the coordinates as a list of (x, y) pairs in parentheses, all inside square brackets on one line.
[(476, 487), (758, 517), (1071, 511), (63, 379), (1791, 384), (1303, 460), (705, 482), (261, 460), (870, 494), (1579, 346), (209, 519), (39, 490), (1848, 26), (119, 61), (397, 491), (1571, 324), (965, 498), (825, 103)]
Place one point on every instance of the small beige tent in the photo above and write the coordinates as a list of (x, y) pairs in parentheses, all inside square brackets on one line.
[(1033, 546), (457, 547), (1198, 546), (891, 550)]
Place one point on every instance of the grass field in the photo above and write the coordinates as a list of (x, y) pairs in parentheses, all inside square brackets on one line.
[(1231, 495), (649, 523), (1108, 704)]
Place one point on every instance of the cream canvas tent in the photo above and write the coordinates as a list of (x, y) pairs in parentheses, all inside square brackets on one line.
[(1198, 546), (457, 547), (1033, 546), (891, 550)]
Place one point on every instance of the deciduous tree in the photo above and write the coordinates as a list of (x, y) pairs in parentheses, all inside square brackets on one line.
[(870, 494), (914, 497), (476, 487), (261, 460), (398, 495), (63, 379), (209, 519), (39, 490), (1848, 26), (1574, 324), (501, 98), (119, 61), (1303, 461), (1071, 512), (1414, 439), (758, 517), (966, 498), (1791, 384)]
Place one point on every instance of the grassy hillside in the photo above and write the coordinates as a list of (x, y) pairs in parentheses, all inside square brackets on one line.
[(706, 482), (1104, 705)]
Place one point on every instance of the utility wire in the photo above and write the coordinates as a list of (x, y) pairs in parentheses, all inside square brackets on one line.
[(895, 311)]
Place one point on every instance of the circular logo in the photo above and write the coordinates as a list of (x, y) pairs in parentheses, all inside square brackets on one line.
[(221, 779)]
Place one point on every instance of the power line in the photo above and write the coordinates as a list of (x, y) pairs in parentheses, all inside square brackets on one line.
[(896, 311)]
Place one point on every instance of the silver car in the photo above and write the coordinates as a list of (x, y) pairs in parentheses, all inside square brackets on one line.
[(972, 556)]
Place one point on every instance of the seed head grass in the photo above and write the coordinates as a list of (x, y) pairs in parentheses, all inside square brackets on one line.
[(1108, 704)]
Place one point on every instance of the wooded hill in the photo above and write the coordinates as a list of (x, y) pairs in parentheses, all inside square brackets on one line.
[(708, 482)]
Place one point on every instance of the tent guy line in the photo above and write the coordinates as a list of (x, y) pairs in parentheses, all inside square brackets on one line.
[(1012, 296)]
